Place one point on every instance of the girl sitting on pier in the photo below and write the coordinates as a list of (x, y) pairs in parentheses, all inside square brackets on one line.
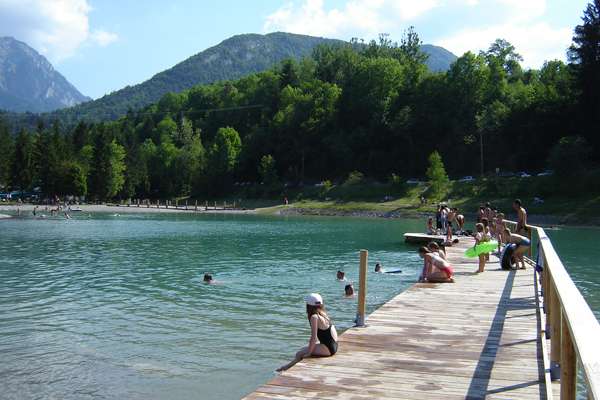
[(435, 268), (323, 336)]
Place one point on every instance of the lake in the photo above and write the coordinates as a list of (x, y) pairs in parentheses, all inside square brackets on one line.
[(111, 307)]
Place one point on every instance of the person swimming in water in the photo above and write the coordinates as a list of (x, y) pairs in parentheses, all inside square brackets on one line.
[(349, 290), (341, 276), (208, 279), (378, 267), (435, 268), (323, 340)]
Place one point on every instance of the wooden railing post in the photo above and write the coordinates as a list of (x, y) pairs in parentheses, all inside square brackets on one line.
[(362, 288), (568, 364), (529, 229), (555, 318)]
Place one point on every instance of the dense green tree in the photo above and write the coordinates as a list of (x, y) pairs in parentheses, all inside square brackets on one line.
[(569, 156), (108, 166), (436, 174), (585, 56), (6, 154), (224, 157), (268, 172), (23, 168)]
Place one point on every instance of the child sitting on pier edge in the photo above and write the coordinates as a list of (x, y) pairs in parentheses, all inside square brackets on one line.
[(323, 336), (435, 268)]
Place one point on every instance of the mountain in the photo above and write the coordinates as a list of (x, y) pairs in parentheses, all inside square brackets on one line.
[(439, 59), (231, 59), (28, 82)]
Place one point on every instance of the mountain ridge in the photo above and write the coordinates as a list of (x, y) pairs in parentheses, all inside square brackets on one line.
[(233, 58), (29, 82)]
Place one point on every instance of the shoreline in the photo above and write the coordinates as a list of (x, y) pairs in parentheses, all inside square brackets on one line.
[(102, 208), (289, 210)]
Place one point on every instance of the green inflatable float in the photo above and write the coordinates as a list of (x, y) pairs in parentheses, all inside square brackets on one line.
[(485, 247)]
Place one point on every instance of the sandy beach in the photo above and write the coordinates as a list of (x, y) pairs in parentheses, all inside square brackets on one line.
[(101, 208)]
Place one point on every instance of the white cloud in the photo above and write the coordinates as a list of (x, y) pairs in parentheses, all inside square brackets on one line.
[(103, 38), (55, 28), (355, 17), (523, 25), (536, 42)]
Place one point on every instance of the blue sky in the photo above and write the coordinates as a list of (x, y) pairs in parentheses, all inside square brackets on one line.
[(103, 45)]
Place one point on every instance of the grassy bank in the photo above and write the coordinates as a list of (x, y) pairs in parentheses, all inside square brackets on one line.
[(569, 202)]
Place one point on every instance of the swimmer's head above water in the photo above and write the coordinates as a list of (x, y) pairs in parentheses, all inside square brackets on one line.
[(377, 267), (349, 290), (208, 278), (341, 275)]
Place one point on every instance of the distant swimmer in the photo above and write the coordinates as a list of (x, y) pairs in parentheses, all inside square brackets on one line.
[(341, 276), (323, 340), (208, 279), (379, 269), (349, 290)]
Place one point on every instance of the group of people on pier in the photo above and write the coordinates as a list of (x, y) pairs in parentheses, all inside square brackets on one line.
[(450, 222), (490, 226)]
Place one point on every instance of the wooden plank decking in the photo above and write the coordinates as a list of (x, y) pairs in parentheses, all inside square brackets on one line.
[(476, 338)]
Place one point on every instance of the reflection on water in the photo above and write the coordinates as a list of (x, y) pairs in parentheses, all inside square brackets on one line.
[(114, 306)]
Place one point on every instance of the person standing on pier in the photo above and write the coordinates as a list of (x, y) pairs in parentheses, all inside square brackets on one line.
[(323, 336), (521, 217)]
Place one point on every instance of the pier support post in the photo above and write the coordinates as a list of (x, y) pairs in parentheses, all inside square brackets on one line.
[(568, 364), (556, 322), (196, 206), (362, 288)]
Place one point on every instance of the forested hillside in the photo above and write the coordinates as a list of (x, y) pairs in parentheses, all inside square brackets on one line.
[(231, 59), (376, 109)]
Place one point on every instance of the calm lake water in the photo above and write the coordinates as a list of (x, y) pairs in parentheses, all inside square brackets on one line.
[(113, 307)]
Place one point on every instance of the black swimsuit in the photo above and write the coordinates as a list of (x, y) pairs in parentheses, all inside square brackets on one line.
[(324, 336)]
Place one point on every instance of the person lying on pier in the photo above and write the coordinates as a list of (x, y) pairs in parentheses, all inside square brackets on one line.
[(341, 276), (523, 244), (323, 336), (435, 268), (435, 248), (349, 290)]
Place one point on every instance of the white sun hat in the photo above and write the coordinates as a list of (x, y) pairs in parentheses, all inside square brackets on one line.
[(314, 299)]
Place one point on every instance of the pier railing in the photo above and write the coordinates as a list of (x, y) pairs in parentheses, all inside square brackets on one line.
[(571, 326)]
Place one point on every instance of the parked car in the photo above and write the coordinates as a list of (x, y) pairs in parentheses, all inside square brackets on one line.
[(546, 173), (523, 174), (413, 181), (467, 178), (506, 174)]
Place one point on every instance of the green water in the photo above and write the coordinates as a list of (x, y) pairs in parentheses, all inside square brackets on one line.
[(113, 307)]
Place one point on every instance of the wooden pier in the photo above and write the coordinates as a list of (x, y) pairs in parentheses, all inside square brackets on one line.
[(483, 336)]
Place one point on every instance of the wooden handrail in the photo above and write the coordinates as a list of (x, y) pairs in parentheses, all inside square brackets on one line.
[(574, 329)]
